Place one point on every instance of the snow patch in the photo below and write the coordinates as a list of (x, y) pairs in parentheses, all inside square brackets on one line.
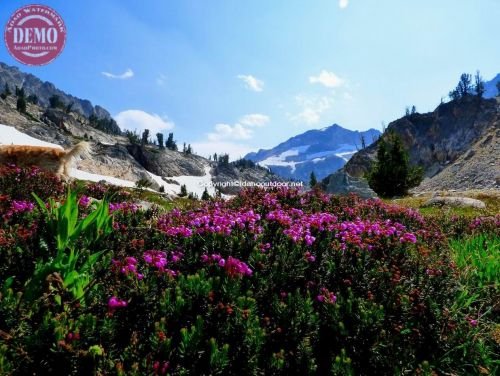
[(280, 159), (197, 184), (84, 175), (11, 136)]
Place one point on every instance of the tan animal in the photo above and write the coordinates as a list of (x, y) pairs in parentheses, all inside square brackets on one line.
[(55, 160)]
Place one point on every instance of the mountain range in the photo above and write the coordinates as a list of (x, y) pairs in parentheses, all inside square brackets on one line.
[(457, 144), (320, 151), (116, 158)]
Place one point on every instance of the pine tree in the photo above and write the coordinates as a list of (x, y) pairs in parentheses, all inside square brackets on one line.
[(479, 85), (313, 181), (205, 196), (55, 102), (464, 87), (159, 136), (392, 174), (21, 104), (170, 141), (145, 137), (184, 191)]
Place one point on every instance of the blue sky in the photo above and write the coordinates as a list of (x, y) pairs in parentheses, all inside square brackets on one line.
[(240, 75)]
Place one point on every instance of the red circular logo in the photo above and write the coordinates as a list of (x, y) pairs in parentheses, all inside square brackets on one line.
[(35, 35)]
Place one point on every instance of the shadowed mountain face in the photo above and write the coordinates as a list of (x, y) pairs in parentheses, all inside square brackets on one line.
[(458, 145), (32, 85), (320, 151), (491, 90)]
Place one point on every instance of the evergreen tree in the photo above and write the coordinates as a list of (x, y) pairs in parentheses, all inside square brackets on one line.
[(170, 141), (205, 196), (189, 150), (21, 104), (363, 142), (392, 174), (413, 110), (479, 85), (313, 181), (145, 137), (159, 136), (33, 98), (69, 107), (184, 191), (464, 87), (55, 102), (184, 148)]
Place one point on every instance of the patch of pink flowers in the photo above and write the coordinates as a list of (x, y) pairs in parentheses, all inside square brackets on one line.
[(232, 266), (214, 219), (84, 201), (18, 207), (160, 260), (126, 207), (115, 303), (326, 296), (128, 267)]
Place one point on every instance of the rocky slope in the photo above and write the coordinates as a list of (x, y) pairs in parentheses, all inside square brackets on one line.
[(13, 77), (322, 151), (112, 153), (457, 145)]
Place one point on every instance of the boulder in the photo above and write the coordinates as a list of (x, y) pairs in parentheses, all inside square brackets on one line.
[(455, 202), (342, 183)]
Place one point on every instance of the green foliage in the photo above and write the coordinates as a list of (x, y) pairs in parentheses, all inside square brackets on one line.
[(464, 87), (107, 125), (170, 143), (56, 102), (6, 90), (142, 184), (21, 104), (65, 227), (313, 181), (391, 175), (159, 137), (205, 196), (375, 290), (479, 258), (184, 191), (33, 98), (145, 137), (479, 85)]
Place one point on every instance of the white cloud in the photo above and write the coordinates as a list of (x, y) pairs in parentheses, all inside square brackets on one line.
[(228, 132), (343, 4), (137, 120), (235, 150), (129, 73), (251, 82), (161, 80), (326, 78), (242, 130), (254, 120), (311, 109)]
